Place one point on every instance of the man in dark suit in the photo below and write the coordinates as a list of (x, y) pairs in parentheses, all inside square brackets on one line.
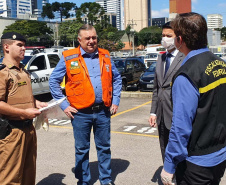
[(166, 67)]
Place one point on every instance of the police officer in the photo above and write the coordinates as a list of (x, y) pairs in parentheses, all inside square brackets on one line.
[(93, 86), (18, 147)]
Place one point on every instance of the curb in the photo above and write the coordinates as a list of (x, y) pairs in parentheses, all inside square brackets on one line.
[(136, 94)]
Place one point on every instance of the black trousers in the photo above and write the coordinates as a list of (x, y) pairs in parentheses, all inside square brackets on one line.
[(163, 137), (188, 173)]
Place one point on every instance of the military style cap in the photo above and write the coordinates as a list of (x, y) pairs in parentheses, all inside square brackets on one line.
[(13, 36)]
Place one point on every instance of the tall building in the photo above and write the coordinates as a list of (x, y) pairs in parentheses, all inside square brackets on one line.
[(159, 21), (15, 8), (178, 6), (137, 13), (214, 21), (21, 8), (37, 7), (113, 6)]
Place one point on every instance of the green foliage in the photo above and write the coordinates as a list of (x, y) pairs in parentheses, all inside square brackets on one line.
[(223, 33), (110, 45), (93, 11), (150, 35), (68, 33), (47, 11), (62, 8), (33, 31), (29, 28), (128, 32)]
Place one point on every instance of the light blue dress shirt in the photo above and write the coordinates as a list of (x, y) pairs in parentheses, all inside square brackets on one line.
[(185, 102), (93, 66)]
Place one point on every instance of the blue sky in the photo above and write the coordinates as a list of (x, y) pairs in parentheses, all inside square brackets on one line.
[(160, 8)]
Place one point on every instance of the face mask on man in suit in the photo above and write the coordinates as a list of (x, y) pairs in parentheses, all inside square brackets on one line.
[(168, 43)]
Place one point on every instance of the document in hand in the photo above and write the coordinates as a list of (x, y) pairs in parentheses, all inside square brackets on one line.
[(53, 104)]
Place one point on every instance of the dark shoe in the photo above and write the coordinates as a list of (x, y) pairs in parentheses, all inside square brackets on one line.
[(73, 170)]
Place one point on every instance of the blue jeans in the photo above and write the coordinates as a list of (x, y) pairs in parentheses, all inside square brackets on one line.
[(82, 124)]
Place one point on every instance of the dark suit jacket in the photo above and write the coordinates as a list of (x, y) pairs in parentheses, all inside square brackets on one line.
[(161, 102)]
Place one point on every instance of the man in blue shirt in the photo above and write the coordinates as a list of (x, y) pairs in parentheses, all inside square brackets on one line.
[(196, 150), (93, 86)]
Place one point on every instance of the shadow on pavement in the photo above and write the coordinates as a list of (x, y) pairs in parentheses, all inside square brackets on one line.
[(156, 177), (53, 179), (117, 165)]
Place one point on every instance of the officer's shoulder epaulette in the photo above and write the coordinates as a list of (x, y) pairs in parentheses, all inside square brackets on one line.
[(2, 66)]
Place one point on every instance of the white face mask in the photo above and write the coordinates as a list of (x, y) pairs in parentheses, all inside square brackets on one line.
[(168, 43)]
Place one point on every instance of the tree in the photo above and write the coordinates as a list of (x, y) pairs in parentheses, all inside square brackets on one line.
[(68, 33), (110, 45), (128, 32), (150, 35), (93, 11), (50, 10), (31, 30)]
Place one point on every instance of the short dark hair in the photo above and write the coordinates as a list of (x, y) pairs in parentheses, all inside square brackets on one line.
[(167, 25), (85, 27), (192, 28)]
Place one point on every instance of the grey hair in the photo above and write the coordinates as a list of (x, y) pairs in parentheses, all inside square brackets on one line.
[(85, 27)]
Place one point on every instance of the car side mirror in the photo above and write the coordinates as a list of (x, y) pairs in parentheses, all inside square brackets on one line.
[(33, 68)]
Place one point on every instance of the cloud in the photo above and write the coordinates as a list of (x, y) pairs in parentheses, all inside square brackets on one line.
[(160, 13), (194, 1), (222, 5)]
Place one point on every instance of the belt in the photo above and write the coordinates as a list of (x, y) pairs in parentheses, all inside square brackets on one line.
[(20, 123), (95, 107)]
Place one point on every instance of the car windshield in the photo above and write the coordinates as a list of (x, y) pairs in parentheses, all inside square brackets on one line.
[(152, 67), (26, 59), (151, 55), (119, 63)]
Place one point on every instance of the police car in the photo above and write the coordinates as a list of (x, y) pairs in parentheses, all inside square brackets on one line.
[(40, 66)]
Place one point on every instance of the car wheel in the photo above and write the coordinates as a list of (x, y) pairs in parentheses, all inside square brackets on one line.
[(124, 86)]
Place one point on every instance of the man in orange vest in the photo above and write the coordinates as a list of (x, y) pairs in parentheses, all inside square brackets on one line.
[(93, 86)]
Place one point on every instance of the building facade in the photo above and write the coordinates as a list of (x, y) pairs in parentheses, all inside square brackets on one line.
[(214, 21), (15, 8), (178, 6), (137, 14), (113, 7), (159, 21), (23, 9)]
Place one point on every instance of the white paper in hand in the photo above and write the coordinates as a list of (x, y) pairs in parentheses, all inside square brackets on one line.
[(53, 104)]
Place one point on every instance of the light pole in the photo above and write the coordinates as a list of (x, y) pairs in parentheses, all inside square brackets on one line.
[(133, 32)]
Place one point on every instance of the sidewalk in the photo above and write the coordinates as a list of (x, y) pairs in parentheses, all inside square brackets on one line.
[(136, 94)]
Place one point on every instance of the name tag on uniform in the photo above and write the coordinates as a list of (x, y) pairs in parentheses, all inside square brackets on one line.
[(71, 57), (22, 83), (74, 65)]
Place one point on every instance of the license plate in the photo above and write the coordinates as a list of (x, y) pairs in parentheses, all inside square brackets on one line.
[(150, 85)]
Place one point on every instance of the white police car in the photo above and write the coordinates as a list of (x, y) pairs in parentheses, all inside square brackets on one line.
[(40, 66)]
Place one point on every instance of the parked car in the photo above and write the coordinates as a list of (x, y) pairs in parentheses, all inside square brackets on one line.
[(40, 66), (221, 55), (152, 57), (147, 78), (130, 70)]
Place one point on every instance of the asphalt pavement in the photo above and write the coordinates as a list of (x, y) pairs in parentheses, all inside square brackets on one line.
[(136, 157)]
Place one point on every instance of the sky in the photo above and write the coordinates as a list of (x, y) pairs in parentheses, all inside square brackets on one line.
[(160, 8)]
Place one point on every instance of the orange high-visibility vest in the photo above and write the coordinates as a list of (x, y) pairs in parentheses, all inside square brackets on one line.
[(78, 86)]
